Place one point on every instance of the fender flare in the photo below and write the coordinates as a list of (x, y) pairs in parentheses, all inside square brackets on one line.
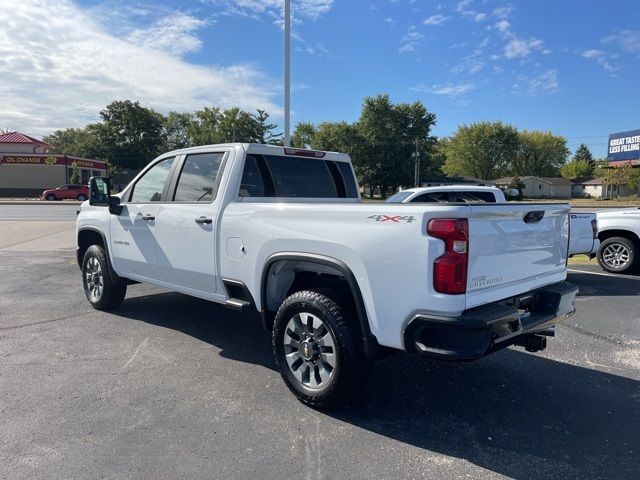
[(370, 342), (112, 274)]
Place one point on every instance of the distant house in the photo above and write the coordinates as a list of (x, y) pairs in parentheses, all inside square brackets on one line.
[(540, 187), (442, 181), (596, 188), (27, 166)]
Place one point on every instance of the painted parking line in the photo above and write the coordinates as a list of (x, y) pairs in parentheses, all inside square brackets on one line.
[(614, 275)]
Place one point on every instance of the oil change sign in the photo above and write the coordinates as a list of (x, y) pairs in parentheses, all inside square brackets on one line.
[(624, 146)]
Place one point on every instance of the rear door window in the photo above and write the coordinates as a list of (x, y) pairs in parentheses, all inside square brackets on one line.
[(198, 181)]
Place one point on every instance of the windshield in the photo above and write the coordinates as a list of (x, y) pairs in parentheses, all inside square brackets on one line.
[(399, 197)]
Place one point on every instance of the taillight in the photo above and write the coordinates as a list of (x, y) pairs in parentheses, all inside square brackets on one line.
[(450, 269), (594, 228)]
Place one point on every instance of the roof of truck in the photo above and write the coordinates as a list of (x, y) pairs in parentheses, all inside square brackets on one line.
[(265, 149)]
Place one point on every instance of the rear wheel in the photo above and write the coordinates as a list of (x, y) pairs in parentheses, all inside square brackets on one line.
[(82, 197), (101, 291), (617, 255), (318, 350)]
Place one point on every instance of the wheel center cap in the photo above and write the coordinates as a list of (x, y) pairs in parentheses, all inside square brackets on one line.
[(306, 350)]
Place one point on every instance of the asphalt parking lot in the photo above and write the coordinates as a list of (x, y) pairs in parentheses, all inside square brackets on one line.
[(174, 387)]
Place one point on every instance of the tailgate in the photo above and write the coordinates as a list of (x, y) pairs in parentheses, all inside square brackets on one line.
[(514, 249)]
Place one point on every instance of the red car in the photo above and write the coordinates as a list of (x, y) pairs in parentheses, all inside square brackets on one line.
[(67, 192)]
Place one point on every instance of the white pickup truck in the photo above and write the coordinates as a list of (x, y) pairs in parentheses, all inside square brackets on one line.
[(583, 229), (619, 232), (282, 232)]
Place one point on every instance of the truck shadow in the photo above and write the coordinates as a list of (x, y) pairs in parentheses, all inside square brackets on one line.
[(516, 414), (599, 286)]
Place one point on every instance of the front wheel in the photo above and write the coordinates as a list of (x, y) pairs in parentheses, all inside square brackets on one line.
[(617, 255), (50, 198), (82, 197), (101, 291), (318, 350)]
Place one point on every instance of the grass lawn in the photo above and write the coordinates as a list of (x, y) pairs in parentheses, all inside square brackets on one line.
[(582, 260)]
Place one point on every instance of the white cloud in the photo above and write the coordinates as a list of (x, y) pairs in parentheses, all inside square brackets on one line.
[(309, 9), (410, 41), (59, 67), (471, 64), (520, 48), (503, 27), (173, 34), (446, 90), (503, 12), (602, 58), (437, 19), (592, 53), (389, 21), (462, 5), (480, 17), (542, 84), (629, 40)]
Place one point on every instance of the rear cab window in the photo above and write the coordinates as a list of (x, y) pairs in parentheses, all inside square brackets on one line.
[(296, 177), (478, 197)]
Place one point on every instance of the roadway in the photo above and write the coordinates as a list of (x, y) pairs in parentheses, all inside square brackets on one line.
[(170, 386)]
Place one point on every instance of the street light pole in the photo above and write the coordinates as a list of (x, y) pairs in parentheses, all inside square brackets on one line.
[(287, 73)]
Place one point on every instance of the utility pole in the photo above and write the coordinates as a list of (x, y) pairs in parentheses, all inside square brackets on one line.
[(287, 73), (417, 164)]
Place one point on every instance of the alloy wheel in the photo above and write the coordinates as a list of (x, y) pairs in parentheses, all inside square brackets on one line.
[(309, 349)]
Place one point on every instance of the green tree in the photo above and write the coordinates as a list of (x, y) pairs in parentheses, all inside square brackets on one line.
[(584, 154), (303, 135), (130, 135), (80, 142), (236, 125), (75, 178), (483, 150), (388, 134), (540, 153), (175, 130), (203, 129), (266, 132), (623, 174), (576, 169)]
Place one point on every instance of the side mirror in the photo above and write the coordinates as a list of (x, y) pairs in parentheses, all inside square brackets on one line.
[(99, 191), (100, 195)]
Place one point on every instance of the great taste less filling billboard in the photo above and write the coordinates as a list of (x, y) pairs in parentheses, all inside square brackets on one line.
[(624, 147)]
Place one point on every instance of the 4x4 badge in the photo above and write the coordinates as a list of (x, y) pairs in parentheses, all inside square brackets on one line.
[(392, 218)]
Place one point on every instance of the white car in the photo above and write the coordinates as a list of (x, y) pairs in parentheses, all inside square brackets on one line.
[(282, 232), (582, 235), (619, 234)]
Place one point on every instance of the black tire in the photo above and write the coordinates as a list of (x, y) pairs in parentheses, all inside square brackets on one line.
[(351, 366), (111, 294), (82, 198), (50, 198), (624, 247)]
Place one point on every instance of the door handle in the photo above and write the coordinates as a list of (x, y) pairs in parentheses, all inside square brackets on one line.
[(203, 220), (148, 217)]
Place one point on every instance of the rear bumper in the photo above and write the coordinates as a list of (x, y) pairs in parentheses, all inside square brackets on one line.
[(482, 330)]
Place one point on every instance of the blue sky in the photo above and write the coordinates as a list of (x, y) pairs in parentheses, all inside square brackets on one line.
[(567, 66)]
